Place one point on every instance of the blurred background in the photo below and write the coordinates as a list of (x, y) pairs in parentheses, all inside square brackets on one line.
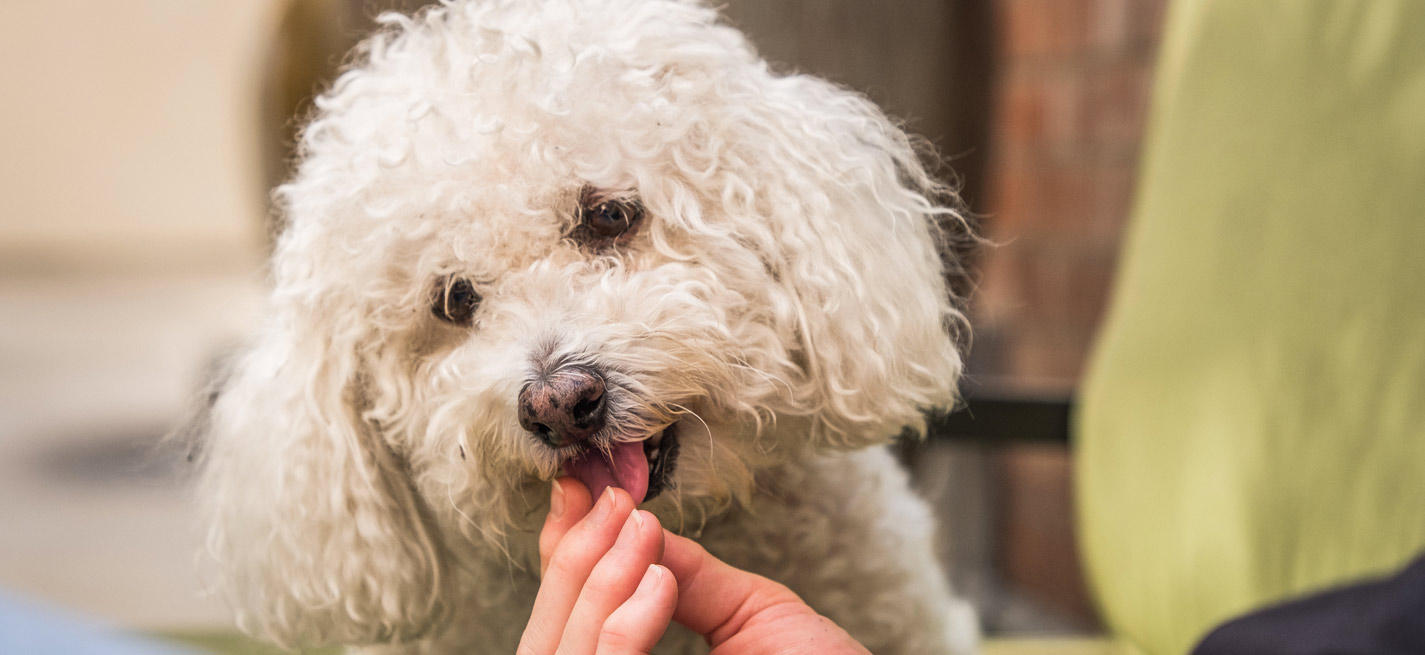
[(143, 137)]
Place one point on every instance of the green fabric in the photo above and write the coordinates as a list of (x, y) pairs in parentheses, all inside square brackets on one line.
[(225, 642), (1054, 646), (1253, 423)]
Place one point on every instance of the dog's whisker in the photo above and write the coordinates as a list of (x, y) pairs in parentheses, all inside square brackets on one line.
[(707, 430)]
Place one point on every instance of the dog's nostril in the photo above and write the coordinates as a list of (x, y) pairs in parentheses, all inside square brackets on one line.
[(588, 408), (545, 434)]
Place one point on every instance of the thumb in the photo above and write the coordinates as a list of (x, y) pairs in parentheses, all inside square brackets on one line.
[(715, 599)]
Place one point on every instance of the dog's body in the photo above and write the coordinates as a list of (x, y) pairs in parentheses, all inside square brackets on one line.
[(595, 236)]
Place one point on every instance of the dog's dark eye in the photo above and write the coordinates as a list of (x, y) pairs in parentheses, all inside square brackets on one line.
[(609, 219), (454, 300), (605, 219)]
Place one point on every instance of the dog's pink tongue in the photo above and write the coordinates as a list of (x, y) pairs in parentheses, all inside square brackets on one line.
[(625, 467)]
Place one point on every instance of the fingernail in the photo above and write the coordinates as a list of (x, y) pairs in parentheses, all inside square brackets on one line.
[(631, 529), (604, 507), (651, 577), (556, 500)]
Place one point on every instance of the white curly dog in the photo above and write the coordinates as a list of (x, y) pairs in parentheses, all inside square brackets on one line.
[(598, 237)]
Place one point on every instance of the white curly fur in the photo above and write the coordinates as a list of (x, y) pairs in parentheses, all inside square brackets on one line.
[(365, 476)]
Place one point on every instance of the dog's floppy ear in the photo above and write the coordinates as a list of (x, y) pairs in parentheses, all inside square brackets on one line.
[(318, 532), (859, 227)]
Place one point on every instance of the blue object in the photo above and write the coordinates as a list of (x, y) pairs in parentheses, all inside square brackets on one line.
[(30, 628)]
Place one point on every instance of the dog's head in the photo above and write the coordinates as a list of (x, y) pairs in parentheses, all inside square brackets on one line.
[(590, 236)]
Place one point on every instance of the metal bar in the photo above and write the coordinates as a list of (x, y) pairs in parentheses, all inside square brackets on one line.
[(994, 416)]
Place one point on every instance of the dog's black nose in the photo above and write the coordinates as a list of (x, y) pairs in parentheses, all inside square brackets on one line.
[(564, 406)]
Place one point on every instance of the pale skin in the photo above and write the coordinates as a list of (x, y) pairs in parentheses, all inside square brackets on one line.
[(613, 579)]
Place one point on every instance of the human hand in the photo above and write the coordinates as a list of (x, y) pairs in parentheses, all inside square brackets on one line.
[(610, 553), (601, 593), (741, 613)]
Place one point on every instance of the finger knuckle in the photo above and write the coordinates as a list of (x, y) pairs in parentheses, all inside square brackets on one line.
[(561, 566), (616, 639), (601, 585)]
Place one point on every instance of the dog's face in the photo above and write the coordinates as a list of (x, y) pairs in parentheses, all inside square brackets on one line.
[(596, 237)]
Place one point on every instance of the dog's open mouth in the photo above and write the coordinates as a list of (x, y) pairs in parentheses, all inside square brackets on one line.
[(642, 468)]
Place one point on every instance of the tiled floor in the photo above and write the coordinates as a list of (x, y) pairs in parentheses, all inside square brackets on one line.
[(94, 513)]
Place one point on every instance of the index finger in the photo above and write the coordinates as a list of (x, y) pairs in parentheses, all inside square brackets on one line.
[(569, 501)]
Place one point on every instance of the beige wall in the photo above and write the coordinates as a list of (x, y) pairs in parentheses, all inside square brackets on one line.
[(127, 133)]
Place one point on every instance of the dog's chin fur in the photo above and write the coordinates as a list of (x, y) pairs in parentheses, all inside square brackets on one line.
[(783, 302)]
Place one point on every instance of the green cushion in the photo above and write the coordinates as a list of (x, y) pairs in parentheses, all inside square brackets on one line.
[(1253, 422), (1054, 646), (218, 641)]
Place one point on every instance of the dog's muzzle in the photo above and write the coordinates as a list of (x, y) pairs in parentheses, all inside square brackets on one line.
[(567, 408)]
